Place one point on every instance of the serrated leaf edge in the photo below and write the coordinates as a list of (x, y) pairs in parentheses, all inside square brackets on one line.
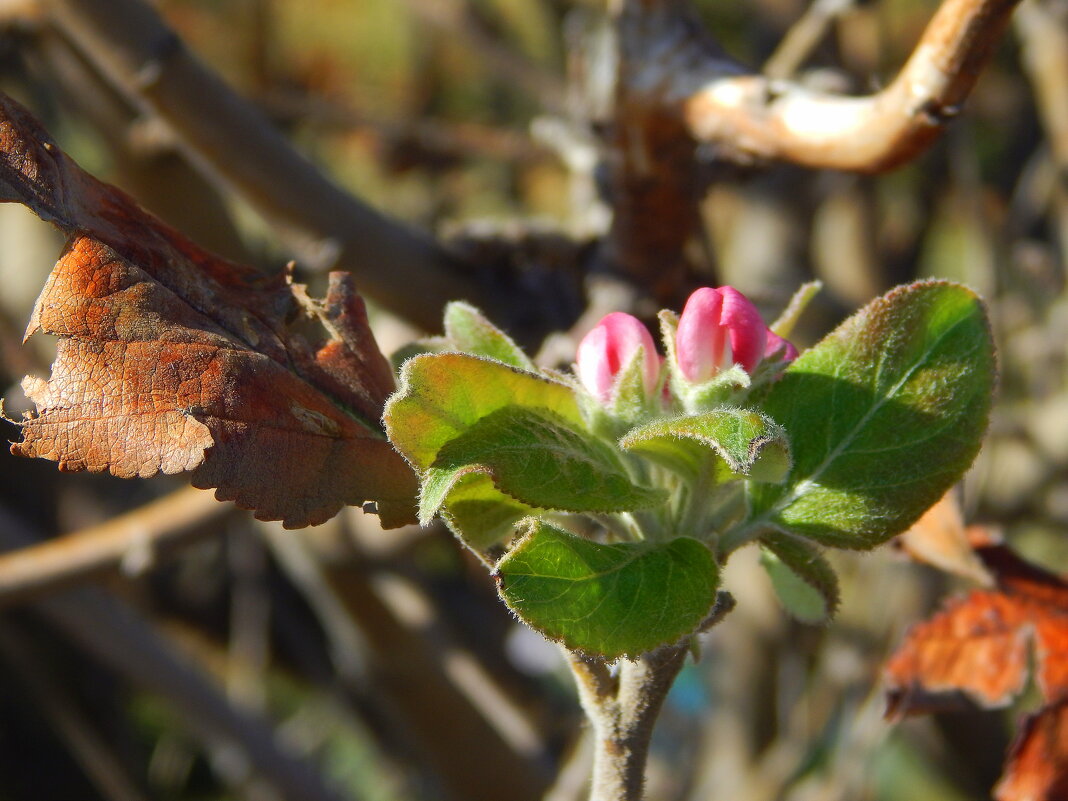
[(766, 519), (832, 595), (517, 543)]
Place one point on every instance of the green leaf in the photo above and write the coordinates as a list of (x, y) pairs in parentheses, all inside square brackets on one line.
[(468, 330), (480, 514), (749, 443), (534, 456), (610, 600), (884, 415), (784, 325), (805, 582), (629, 399), (724, 385), (442, 395), (418, 347)]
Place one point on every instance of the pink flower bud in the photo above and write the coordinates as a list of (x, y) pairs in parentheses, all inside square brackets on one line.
[(779, 348), (719, 327), (609, 347)]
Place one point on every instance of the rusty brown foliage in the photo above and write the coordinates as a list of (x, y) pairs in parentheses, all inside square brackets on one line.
[(982, 646), (173, 359)]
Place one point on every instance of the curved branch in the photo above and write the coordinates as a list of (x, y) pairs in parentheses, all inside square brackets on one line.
[(760, 118), (402, 269)]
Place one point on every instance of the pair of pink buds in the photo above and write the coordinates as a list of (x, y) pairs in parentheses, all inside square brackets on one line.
[(718, 328)]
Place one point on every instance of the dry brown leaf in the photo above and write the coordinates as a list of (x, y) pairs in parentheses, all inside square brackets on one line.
[(173, 359), (983, 646), (1037, 766), (978, 645), (940, 539)]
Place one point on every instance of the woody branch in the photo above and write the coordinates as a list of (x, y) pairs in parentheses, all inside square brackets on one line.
[(677, 91), (233, 143), (762, 118)]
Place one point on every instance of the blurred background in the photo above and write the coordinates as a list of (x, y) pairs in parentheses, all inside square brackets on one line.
[(179, 649)]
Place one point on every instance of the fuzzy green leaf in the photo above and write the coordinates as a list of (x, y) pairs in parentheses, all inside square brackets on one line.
[(805, 582), (884, 415), (468, 330), (610, 600), (442, 395), (748, 443), (630, 402), (480, 514), (534, 456)]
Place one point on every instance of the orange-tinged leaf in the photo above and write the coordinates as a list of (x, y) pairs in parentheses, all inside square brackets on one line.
[(173, 359), (977, 645), (1044, 598), (1037, 766), (940, 539), (981, 644)]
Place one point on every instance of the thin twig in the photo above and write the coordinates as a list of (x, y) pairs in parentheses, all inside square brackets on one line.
[(145, 161), (233, 143), (455, 139), (117, 636), (248, 652), (454, 17), (759, 118), (1044, 37), (804, 36), (1044, 52), (385, 634), (52, 700), (129, 541), (573, 777)]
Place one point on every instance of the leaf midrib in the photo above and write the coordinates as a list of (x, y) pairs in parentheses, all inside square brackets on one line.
[(812, 479)]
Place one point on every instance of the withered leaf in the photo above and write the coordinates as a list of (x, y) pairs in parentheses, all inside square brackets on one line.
[(978, 645), (1037, 765), (173, 359), (940, 539), (983, 646)]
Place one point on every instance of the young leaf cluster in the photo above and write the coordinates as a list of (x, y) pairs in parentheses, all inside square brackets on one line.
[(606, 523)]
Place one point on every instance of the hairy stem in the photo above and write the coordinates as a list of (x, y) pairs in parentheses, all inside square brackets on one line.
[(623, 706), (622, 710)]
